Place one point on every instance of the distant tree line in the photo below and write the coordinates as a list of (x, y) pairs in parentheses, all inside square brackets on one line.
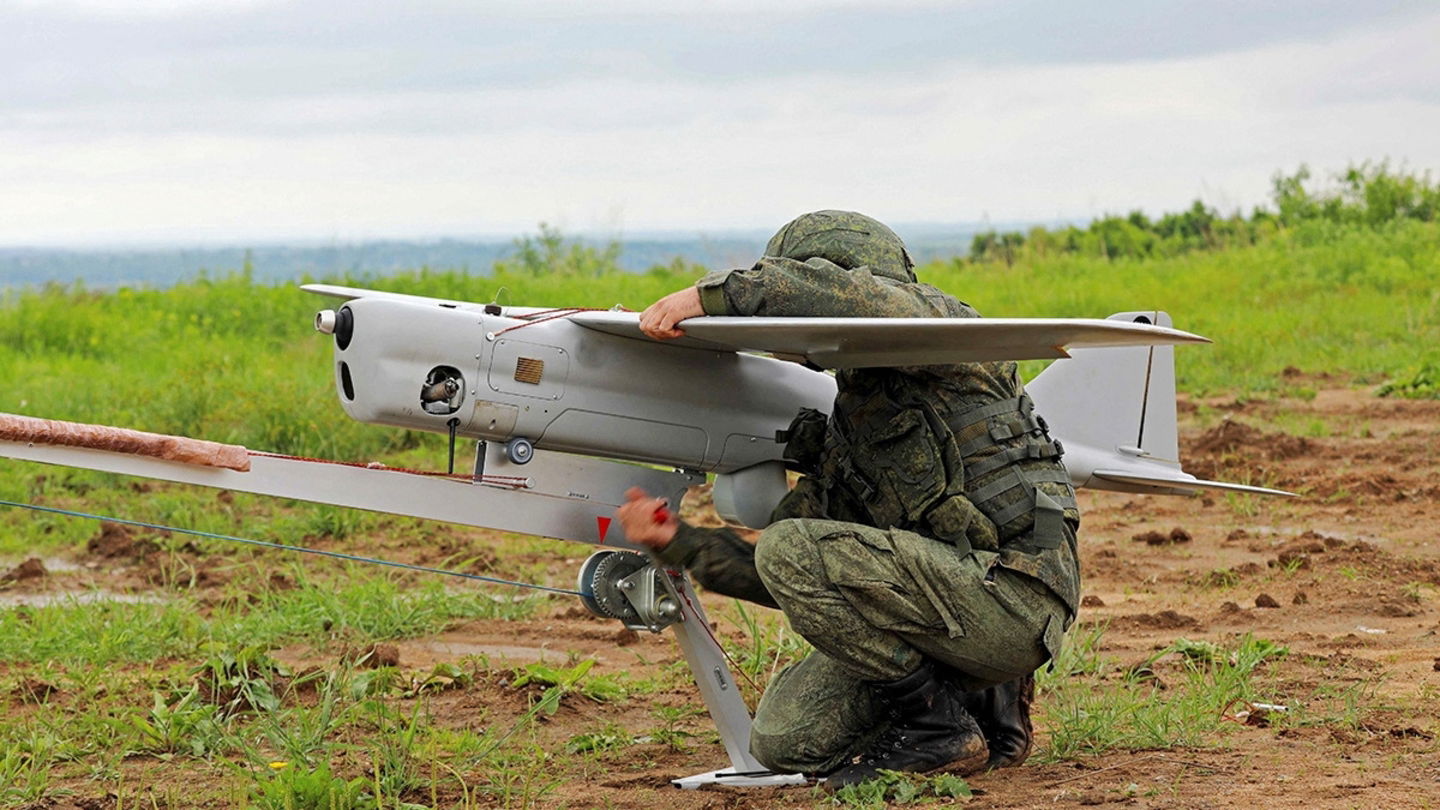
[(1369, 195)]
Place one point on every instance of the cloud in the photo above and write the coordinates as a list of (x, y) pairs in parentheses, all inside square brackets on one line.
[(58, 57), (133, 8), (293, 121)]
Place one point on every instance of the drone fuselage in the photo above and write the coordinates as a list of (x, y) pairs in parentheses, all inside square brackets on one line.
[(567, 388)]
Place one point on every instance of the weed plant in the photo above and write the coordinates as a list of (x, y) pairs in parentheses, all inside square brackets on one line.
[(768, 646), (369, 608), (1421, 381), (893, 789), (1092, 707)]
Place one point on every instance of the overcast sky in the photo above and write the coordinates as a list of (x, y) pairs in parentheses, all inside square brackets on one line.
[(225, 120)]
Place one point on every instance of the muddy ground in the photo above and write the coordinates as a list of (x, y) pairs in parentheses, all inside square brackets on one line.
[(1347, 577)]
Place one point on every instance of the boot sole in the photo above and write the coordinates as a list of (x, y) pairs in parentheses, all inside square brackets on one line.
[(1008, 761), (966, 766), (972, 764), (955, 767)]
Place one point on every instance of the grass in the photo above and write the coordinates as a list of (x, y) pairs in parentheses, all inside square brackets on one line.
[(333, 738), (1357, 302), (186, 680), (1093, 707), (235, 360), (370, 608), (768, 646)]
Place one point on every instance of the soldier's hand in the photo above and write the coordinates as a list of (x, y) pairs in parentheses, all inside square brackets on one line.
[(659, 319), (647, 521)]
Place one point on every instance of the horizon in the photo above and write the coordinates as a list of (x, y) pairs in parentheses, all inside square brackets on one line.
[(165, 264), (142, 243)]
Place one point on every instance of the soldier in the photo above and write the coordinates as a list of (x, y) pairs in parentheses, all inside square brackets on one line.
[(927, 553)]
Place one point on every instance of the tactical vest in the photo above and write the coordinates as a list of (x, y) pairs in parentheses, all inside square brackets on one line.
[(982, 476)]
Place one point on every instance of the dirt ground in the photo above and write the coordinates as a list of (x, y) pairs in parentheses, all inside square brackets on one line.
[(1347, 577)]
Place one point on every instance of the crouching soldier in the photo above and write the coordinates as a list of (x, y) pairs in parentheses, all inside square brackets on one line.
[(928, 552)]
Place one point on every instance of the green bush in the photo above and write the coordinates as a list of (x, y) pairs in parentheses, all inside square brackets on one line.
[(1370, 195)]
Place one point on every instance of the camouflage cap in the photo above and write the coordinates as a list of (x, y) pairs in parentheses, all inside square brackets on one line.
[(846, 238)]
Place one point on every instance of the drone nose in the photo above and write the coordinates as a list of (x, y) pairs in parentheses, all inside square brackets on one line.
[(340, 324)]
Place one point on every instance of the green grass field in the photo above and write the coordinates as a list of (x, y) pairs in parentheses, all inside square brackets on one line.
[(232, 360)]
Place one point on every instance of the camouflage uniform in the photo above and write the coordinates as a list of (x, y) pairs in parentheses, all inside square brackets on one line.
[(934, 520)]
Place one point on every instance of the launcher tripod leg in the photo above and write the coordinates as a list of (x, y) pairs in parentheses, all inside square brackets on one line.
[(722, 697)]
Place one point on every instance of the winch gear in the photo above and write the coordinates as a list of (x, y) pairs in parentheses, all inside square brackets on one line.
[(599, 583)]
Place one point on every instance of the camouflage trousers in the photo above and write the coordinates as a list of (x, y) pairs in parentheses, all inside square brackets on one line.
[(874, 604)]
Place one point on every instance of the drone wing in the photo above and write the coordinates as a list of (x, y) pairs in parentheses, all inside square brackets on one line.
[(858, 342), (864, 342), (351, 293)]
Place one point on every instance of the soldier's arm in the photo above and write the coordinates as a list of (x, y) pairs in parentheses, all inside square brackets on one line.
[(719, 559), (818, 288), (723, 561)]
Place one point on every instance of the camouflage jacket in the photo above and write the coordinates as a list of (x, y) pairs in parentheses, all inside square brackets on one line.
[(953, 452)]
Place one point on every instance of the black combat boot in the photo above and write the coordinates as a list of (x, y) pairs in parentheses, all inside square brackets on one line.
[(930, 731), (1003, 713)]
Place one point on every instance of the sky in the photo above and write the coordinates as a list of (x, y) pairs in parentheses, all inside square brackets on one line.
[(217, 121)]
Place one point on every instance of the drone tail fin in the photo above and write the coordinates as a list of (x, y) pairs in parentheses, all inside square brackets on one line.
[(1115, 398), (1114, 410)]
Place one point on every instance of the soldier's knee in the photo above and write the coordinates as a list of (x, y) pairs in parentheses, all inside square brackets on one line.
[(781, 550), (811, 717)]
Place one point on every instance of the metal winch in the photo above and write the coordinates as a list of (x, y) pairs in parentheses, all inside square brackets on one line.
[(628, 586)]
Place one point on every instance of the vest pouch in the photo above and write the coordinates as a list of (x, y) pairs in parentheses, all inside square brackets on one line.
[(901, 459), (958, 522), (804, 441)]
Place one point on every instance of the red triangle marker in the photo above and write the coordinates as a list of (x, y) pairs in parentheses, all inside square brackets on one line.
[(604, 525)]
